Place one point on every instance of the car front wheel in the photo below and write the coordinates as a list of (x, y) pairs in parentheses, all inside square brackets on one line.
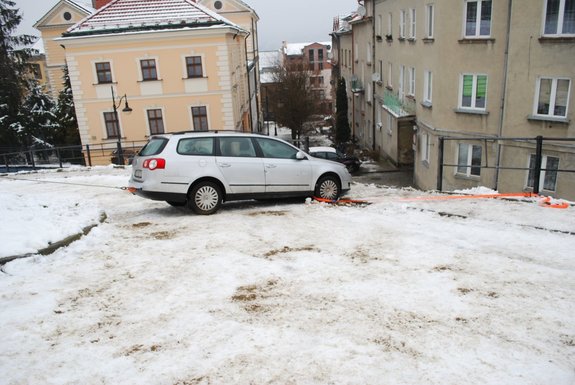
[(205, 198), (327, 188)]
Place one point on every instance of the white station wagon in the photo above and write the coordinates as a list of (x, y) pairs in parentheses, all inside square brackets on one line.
[(203, 169)]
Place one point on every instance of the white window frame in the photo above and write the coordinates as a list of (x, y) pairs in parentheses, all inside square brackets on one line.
[(368, 53), (368, 92), (402, 21), (411, 81), (428, 87), (147, 118), (390, 24), (157, 65), (379, 25), (543, 175), (412, 24), (560, 20), (552, 97), (473, 92), (401, 86), (430, 20), (477, 33), (390, 74), (468, 165), (425, 147)]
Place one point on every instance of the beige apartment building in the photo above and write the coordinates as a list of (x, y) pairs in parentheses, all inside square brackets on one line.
[(463, 84)]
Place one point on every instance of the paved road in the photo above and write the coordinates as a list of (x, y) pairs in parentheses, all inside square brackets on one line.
[(384, 173)]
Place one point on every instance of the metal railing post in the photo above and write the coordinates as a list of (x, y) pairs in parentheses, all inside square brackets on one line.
[(88, 155), (538, 162), (440, 164), (32, 160), (59, 157)]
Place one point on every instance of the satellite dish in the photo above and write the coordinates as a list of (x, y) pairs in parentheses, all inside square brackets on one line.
[(361, 11)]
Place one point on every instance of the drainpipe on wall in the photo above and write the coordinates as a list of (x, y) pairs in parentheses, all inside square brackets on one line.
[(352, 75), (504, 91), (373, 66), (249, 82)]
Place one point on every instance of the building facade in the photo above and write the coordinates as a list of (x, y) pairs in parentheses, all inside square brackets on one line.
[(455, 83), (56, 21), (183, 68), (317, 57)]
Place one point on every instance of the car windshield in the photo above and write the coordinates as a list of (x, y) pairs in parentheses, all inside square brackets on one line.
[(153, 147)]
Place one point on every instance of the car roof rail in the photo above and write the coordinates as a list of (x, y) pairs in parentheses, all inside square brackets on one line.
[(213, 132)]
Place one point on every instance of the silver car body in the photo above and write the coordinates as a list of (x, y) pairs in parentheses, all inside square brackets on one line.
[(243, 165)]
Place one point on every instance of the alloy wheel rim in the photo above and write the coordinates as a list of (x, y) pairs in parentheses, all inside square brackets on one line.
[(328, 189), (206, 198)]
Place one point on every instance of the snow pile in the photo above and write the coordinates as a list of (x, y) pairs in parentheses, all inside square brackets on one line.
[(402, 291)]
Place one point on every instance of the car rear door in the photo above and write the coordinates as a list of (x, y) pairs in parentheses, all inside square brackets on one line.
[(238, 162)]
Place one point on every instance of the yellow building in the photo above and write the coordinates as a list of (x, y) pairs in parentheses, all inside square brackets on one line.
[(56, 21), (179, 65)]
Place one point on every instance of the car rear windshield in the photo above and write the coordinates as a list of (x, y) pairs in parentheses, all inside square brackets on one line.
[(154, 147)]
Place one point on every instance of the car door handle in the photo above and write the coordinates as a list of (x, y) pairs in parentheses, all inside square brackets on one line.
[(225, 165), (271, 166)]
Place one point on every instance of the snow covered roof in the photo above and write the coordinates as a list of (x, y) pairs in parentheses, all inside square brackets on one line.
[(269, 59), (84, 4), (297, 48), (134, 15), (39, 46)]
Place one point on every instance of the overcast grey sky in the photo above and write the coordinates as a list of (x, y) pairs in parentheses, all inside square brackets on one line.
[(296, 21)]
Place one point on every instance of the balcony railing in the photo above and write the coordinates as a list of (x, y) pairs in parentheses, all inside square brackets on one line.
[(399, 106)]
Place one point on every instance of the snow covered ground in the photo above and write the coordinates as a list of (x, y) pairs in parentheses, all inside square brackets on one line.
[(403, 291)]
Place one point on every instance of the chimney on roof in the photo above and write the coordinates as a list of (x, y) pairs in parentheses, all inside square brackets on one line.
[(97, 4)]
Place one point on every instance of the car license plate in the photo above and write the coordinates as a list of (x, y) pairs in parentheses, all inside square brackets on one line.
[(138, 173)]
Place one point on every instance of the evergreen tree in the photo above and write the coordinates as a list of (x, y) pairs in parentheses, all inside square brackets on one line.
[(67, 134), (37, 125), (13, 66), (342, 130)]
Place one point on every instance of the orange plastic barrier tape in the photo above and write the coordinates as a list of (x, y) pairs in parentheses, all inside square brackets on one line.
[(341, 201), (476, 196), (546, 202)]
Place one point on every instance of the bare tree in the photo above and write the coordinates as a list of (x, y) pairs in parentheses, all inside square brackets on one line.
[(292, 97)]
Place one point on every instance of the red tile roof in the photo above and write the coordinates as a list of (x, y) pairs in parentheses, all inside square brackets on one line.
[(134, 15)]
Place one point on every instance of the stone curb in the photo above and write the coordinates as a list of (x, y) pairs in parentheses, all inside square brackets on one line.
[(57, 245)]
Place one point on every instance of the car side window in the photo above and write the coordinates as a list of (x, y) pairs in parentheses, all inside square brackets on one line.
[(274, 149), (196, 146), (331, 155), (237, 147)]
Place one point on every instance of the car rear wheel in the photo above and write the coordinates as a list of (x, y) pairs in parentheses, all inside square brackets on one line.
[(205, 198), (327, 188)]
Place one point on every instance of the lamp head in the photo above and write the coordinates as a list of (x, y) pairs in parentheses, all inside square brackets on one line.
[(126, 108)]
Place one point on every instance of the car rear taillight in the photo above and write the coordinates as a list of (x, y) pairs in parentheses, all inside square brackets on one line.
[(154, 164)]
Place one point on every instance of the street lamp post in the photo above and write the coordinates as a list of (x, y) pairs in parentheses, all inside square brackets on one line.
[(127, 109)]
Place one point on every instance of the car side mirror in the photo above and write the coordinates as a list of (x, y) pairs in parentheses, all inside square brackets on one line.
[(300, 155)]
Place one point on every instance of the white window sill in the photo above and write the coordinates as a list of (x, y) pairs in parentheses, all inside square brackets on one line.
[(468, 177), (426, 104), (547, 118), (460, 110)]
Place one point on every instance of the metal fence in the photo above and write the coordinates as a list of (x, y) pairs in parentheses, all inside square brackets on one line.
[(59, 157), (535, 168)]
